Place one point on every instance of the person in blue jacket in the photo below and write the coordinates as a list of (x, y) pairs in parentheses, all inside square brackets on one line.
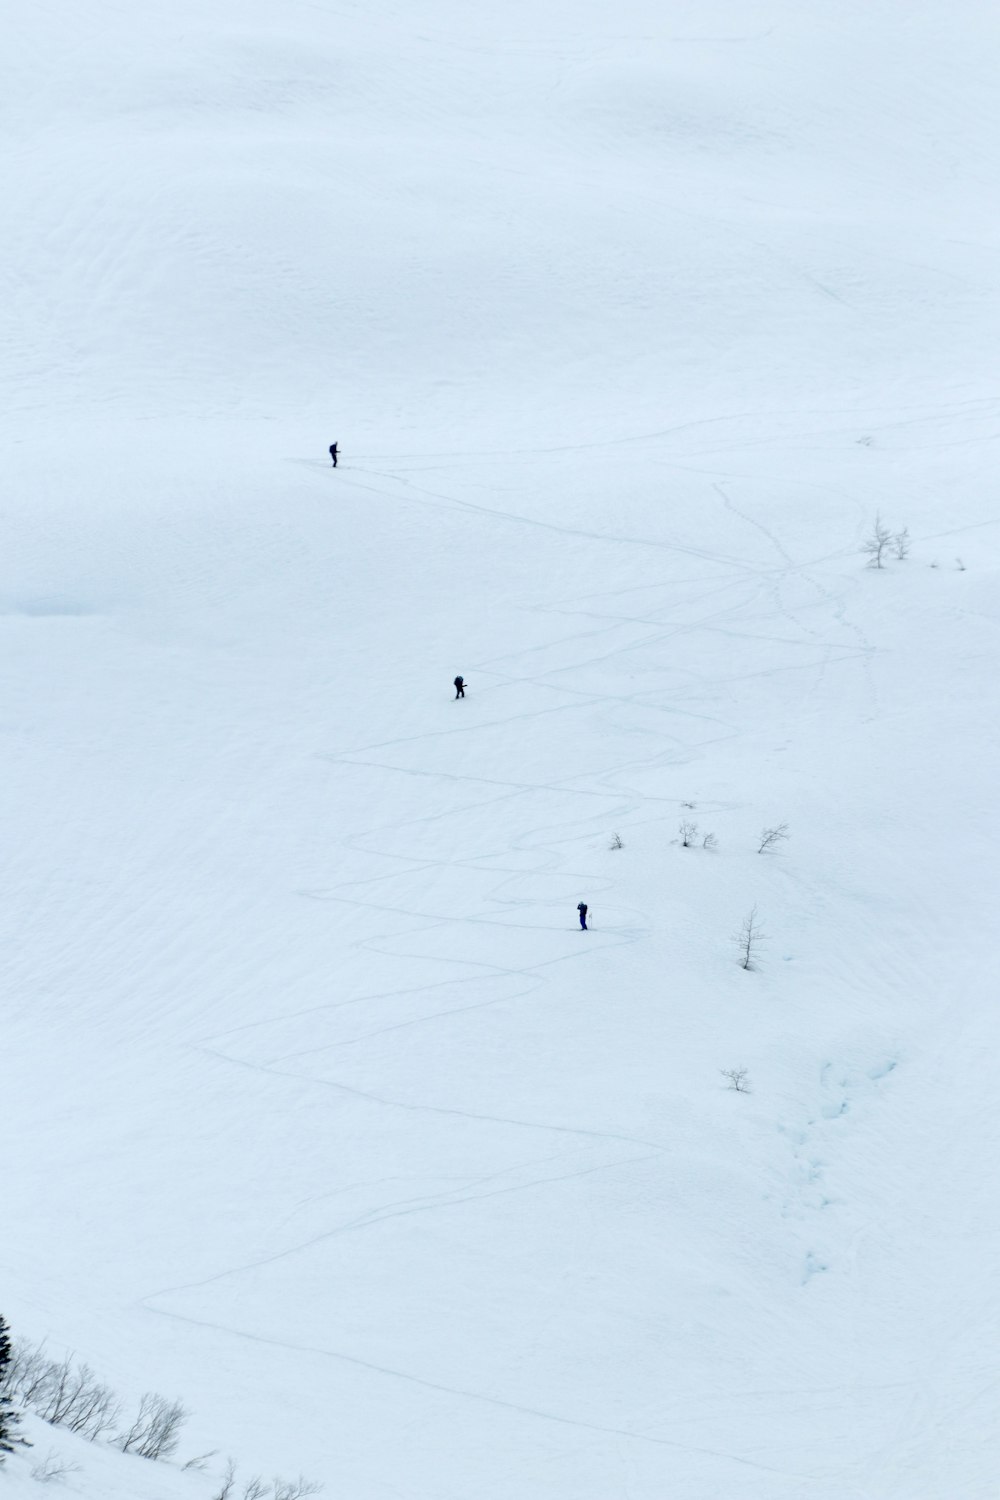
[(582, 909)]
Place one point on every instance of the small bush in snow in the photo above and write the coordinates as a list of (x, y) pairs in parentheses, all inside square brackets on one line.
[(749, 939), (737, 1079), (901, 544), (616, 841), (876, 543), (710, 841), (295, 1489), (256, 1488), (200, 1461), (688, 832), (771, 836), (53, 1469)]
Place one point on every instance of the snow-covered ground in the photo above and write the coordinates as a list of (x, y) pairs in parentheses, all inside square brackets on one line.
[(319, 1110)]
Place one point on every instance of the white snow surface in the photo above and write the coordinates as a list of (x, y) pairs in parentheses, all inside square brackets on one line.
[(320, 1111)]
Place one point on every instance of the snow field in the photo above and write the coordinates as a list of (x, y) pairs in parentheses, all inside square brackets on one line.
[(327, 1117)]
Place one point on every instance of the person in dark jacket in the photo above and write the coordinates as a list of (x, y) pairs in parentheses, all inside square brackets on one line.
[(459, 687), (582, 909), (333, 453)]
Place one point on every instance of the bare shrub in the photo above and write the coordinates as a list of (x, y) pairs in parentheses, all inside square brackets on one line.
[(200, 1461), (225, 1490), (256, 1488), (876, 543), (156, 1430), (771, 836), (616, 841), (53, 1469), (749, 939), (295, 1489), (901, 544), (737, 1079), (710, 841), (688, 832)]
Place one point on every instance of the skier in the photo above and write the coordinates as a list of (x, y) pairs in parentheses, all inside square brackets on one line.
[(582, 909), (333, 453), (459, 686)]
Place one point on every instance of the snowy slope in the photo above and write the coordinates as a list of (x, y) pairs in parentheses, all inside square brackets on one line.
[(322, 1112), (55, 1461)]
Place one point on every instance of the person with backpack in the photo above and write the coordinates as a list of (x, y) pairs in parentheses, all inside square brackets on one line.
[(459, 685), (582, 909)]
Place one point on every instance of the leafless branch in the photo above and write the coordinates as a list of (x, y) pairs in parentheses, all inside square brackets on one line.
[(771, 836)]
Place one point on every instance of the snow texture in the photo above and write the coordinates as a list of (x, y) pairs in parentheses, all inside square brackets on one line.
[(320, 1111)]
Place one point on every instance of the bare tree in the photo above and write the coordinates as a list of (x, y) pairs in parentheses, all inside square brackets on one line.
[(225, 1490), (876, 543), (737, 1079), (77, 1400), (688, 832), (616, 841), (749, 939), (710, 841), (156, 1429), (59, 1391), (255, 1489), (771, 836), (901, 543), (94, 1410)]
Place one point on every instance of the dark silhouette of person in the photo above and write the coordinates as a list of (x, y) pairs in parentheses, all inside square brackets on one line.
[(582, 909), (333, 453), (459, 687)]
